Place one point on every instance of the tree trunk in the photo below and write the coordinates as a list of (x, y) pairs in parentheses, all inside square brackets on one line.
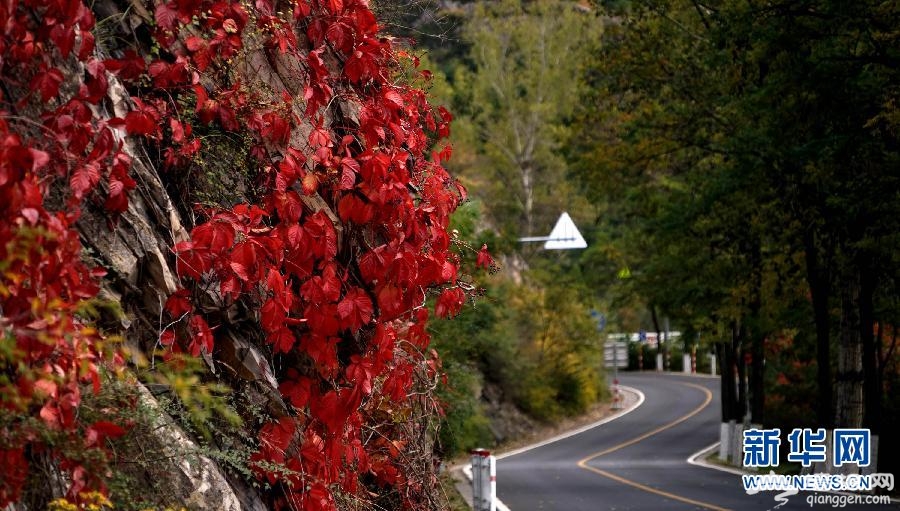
[(528, 192), (757, 339), (871, 375), (757, 378), (819, 289), (660, 345), (849, 388), (737, 339), (725, 355)]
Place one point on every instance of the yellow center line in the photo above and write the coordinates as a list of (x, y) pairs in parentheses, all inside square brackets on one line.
[(584, 462)]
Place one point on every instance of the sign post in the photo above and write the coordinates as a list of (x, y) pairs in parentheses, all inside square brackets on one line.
[(564, 236), (484, 480)]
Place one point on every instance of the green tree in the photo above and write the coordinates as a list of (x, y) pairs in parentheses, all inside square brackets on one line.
[(744, 146), (521, 89)]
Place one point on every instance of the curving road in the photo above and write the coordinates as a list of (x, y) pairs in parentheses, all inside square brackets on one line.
[(638, 461)]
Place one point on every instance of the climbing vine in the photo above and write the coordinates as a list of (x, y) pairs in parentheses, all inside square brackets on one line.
[(337, 254)]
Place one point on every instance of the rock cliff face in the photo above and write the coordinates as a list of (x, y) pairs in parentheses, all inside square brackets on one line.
[(283, 223)]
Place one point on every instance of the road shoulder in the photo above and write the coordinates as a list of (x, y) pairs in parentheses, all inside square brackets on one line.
[(631, 399)]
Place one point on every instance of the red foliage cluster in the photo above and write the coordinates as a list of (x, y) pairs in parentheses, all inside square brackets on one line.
[(48, 354), (315, 289), (346, 294)]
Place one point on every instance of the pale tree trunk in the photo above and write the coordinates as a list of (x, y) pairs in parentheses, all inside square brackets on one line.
[(528, 192)]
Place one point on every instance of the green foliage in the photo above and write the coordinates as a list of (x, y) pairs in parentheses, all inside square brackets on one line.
[(534, 340), (538, 344), (742, 155), (143, 468), (513, 102), (201, 406)]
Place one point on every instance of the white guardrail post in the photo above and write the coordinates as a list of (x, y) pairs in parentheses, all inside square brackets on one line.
[(484, 480)]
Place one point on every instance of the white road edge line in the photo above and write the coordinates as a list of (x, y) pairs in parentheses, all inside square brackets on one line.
[(582, 429), (467, 468), (697, 459)]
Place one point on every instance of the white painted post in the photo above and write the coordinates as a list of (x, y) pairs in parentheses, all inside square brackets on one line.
[(712, 364), (617, 397), (737, 445), (873, 457), (492, 461), (724, 441), (659, 362), (484, 480), (686, 363)]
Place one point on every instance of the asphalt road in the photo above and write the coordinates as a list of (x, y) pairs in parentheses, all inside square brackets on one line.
[(639, 461)]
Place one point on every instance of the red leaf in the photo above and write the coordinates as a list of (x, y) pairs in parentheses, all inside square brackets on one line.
[(390, 301), (310, 183), (129, 67), (353, 209), (393, 98), (166, 15), (84, 179), (191, 262), (335, 407), (179, 303), (15, 473), (167, 337), (298, 390), (323, 350), (320, 137), (322, 288), (50, 415), (323, 319), (484, 258), (289, 169), (214, 235), (47, 83), (195, 43), (321, 231), (272, 315), (355, 309), (340, 35), (450, 302), (282, 340), (31, 214), (360, 373), (117, 200), (289, 206), (318, 498), (63, 37), (202, 336), (398, 382), (278, 435), (348, 178), (38, 159), (138, 123), (101, 430), (177, 130)]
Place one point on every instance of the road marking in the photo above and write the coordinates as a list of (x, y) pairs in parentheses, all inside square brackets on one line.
[(584, 462), (582, 429), (467, 467), (646, 488), (698, 459)]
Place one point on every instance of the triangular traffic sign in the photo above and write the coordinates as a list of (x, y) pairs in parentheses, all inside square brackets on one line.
[(564, 235)]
